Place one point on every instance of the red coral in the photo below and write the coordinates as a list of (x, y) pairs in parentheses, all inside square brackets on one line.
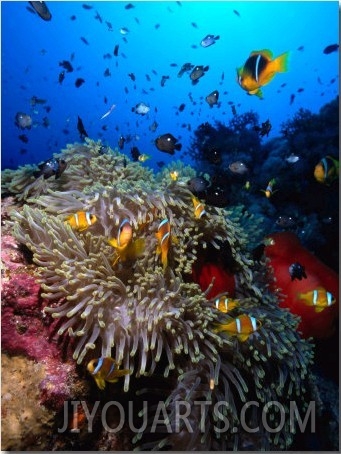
[(286, 250)]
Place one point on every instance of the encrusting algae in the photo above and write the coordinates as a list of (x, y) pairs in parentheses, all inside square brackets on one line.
[(144, 311)]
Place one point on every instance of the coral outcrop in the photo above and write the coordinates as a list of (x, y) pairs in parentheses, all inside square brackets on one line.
[(154, 320)]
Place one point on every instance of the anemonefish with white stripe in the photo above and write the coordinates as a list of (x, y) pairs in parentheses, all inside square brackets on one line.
[(164, 239), (125, 247), (318, 298), (199, 208), (241, 327), (81, 220), (105, 369), (259, 69), (225, 304)]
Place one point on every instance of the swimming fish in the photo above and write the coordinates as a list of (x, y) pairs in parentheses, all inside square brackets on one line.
[(53, 166), (174, 175), (297, 271), (184, 68), (126, 248), (238, 167), (23, 120), (198, 72), (327, 50), (42, 10), (105, 369), (264, 129), (164, 238), (292, 159), (199, 208), (269, 189), (241, 327), (209, 40), (81, 220), (327, 170), (259, 69), (212, 98), (143, 157), (225, 304), (167, 143), (141, 108), (109, 112), (81, 129), (319, 298)]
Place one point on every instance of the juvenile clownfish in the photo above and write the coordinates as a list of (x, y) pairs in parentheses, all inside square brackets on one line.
[(327, 170), (318, 298), (164, 238), (259, 69), (269, 189), (199, 208), (125, 247), (241, 327), (81, 220), (105, 369), (143, 157), (225, 304), (174, 175)]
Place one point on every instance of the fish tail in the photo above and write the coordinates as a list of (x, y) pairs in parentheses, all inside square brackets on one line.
[(281, 63)]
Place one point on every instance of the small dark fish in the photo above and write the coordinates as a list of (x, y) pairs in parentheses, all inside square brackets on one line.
[(129, 6), (233, 108), (109, 25), (61, 77), (73, 17), (160, 164), (300, 48), (198, 72), (135, 153), (236, 12), (300, 90), (116, 50), (79, 82), (23, 138), (182, 107), (184, 68), (167, 143), (85, 6), (148, 78), (23, 120), (51, 167), (107, 73), (81, 129), (121, 142), (163, 80), (42, 10), (209, 40), (153, 126), (329, 49), (84, 40), (198, 185), (292, 98), (156, 26), (264, 129), (46, 122), (132, 76), (212, 98), (154, 72), (66, 65), (126, 91), (34, 101), (107, 55), (194, 25), (98, 17), (297, 271), (286, 222)]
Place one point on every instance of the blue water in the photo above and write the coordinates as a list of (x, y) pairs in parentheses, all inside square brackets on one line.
[(160, 34)]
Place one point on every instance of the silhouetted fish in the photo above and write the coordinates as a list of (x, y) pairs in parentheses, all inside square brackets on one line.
[(42, 10)]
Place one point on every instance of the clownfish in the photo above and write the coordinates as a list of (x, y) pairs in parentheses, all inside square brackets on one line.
[(174, 175), (327, 170), (199, 208), (125, 247), (241, 327), (164, 238), (225, 304), (269, 189), (259, 69), (318, 298), (81, 220), (105, 369)]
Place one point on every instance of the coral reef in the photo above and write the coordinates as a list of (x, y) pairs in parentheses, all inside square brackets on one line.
[(154, 320)]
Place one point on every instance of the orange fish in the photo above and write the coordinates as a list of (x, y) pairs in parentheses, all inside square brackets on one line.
[(225, 304), (269, 189), (105, 369), (164, 238), (241, 327), (81, 220), (318, 298), (199, 208), (125, 247)]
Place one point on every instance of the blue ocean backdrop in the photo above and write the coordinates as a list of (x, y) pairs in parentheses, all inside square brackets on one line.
[(152, 40)]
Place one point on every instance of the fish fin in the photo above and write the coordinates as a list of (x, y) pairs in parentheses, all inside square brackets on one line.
[(243, 337), (281, 63), (319, 308), (113, 242), (217, 37), (257, 92), (206, 68), (138, 247), (100, 382), (178, 146), (266, 53)]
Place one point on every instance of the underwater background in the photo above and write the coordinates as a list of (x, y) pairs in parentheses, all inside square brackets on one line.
[(120, 76)]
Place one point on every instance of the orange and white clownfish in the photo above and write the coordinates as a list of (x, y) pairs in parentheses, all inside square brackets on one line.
[(199, 208), (327, 170), (241, 327), (225, 304), (259, 69), (81, 220), (318, 298), (269, 189), (125, 247), (105, 369), (164, 238)]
